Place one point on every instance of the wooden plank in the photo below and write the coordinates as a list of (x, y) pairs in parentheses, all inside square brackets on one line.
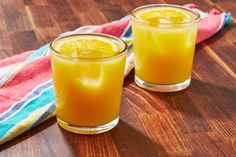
[(15, 16), (5, 45), (23, 41), (95, 15), (35, 2), (39, 16), (2, 21), (54, 144)]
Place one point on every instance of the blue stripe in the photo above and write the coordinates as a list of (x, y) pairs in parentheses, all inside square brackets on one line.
[(126, 17), (38, 53), (228, 18), (128, 32), (130, 46), (22, 102), (46, 98), (44, 115)]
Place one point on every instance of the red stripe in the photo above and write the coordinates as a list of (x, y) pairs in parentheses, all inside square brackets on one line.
[(15, 59), (208, 26), (33, 74), (115, 28)]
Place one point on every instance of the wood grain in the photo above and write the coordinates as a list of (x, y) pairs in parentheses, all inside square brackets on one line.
[(199, 121)]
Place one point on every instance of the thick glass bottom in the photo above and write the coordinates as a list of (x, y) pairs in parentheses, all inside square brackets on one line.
[(163, 88), (87, 129)]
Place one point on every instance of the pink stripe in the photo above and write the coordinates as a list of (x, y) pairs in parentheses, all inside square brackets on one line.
[(191, 5), (115, 28), (33, 74), (208, 26), (15, 59)]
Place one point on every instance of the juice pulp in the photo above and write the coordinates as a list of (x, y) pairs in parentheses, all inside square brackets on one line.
[(163, 46), (88, 90)]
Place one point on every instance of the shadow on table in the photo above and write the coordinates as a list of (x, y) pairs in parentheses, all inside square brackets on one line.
[(123, 139), (28, 134), (202, 100), (131, 142), (129, 78), (197, 107)]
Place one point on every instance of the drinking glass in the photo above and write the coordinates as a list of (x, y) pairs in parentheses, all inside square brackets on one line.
[(88, 89), (164, 45)]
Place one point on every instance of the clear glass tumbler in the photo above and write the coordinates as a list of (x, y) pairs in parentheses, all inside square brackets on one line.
[(164, 39), (88, 86)]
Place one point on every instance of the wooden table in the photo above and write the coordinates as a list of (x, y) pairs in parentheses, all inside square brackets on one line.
[(199, 121)]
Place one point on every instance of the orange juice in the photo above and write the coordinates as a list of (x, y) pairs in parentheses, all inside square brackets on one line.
[(88, 75), (164, 38)]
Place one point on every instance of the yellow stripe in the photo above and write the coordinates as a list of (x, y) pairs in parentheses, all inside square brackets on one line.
[(23, 125)]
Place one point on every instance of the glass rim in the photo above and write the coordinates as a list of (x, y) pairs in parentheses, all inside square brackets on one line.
[(197, 15), (57, 53)]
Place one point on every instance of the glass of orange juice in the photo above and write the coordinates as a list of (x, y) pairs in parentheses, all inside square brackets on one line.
[(88, 71), (164, 38)]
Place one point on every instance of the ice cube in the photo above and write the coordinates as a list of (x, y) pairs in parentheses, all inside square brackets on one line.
[(89, 74)]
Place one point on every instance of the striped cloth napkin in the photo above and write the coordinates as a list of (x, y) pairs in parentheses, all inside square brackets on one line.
[(26, 87)]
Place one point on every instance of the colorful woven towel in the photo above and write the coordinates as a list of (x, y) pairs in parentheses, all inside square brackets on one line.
[(26, 88)]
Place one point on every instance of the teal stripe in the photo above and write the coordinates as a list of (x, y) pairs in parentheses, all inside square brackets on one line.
[(46, 113), (46, 98), (38, 53), (126, 17), (228, 18)]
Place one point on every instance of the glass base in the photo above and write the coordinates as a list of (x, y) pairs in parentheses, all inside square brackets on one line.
[(87, 130), (163, 88)]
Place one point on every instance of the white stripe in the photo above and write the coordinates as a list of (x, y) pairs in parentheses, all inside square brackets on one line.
[(11, 73), (36, 120), (202, 14), (126, 28), (221, 21), (129, 63), (84, 29), (24, 105), (4, 70), (2, 140), (8, 110)]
